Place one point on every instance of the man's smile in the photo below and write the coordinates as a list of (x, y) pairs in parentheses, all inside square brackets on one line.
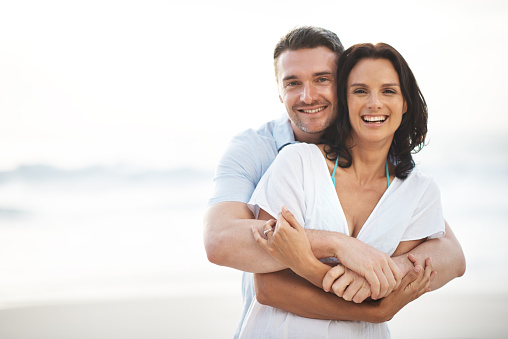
[(312, 111)]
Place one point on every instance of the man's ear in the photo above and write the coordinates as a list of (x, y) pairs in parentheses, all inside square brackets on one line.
[(280, 98)]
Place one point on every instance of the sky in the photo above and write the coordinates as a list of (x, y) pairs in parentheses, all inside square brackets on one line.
[(166, 84)]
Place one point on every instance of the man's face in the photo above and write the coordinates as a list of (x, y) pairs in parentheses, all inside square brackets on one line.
[(307, 87)]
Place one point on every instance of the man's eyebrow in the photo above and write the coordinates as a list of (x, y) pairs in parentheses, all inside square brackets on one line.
[(317, 74), (323, 73), (289, 77)]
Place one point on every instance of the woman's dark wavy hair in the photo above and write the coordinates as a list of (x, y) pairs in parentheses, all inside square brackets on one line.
[(409, 137)]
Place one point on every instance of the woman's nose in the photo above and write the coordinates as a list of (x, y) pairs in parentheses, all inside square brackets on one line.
[(374, 102)]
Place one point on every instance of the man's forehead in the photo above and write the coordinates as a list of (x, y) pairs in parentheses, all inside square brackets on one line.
[(306, 62)]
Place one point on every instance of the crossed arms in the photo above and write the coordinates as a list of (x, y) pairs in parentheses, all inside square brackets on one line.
[(228, 233)]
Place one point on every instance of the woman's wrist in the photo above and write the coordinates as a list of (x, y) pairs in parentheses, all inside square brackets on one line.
[(312, 270)]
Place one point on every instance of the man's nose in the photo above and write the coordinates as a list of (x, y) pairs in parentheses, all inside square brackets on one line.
[(308, 94)]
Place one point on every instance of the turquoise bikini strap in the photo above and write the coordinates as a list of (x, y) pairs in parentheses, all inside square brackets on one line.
[(387, 175), (334, 169)]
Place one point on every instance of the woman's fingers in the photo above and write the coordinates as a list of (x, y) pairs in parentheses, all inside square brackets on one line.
[(290, 218), (259, 238), (428, 276), (383, 283), (268, 227), (267, 232)]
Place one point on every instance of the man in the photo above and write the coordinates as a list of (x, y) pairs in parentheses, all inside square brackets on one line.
[(305, 66)]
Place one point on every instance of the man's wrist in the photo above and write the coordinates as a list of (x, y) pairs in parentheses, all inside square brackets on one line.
[(403, 263), (324, 244)]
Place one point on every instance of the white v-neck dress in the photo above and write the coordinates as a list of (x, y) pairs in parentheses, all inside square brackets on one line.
[(299, 178)]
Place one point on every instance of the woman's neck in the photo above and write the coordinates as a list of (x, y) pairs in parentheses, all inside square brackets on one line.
[(369, 161)]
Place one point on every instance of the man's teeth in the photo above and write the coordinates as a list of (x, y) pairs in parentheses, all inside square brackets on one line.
[(313, 110), (374, 119)]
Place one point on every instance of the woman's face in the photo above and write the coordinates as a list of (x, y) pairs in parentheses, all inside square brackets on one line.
[(375, 101)]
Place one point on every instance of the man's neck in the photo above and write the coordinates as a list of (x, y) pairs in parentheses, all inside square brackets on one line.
[(310, 138)]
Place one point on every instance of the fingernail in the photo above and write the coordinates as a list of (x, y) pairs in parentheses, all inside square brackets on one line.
[(284, 208)]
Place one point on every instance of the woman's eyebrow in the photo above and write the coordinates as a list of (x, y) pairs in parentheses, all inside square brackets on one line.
[(359, 84)]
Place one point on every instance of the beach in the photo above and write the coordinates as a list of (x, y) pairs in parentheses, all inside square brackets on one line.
[(118, 253), (436, 315)]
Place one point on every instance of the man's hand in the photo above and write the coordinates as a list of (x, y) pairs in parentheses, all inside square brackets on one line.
[(414, 284), (346, 284), (377, 267)]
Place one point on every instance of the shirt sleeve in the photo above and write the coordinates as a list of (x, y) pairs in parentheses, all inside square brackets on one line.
[(241, 167), (427, 220), (282, 184)]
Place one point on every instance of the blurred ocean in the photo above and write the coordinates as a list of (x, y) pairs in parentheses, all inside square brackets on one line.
[(116, 232), (102, 233)]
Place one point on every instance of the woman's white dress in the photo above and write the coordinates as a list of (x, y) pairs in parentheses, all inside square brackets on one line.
[(299, 178)]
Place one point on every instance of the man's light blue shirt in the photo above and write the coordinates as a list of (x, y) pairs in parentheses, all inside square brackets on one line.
[(246, 159)]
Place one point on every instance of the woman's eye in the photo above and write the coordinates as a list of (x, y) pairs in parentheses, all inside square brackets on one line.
[(390, 91), (359, 91)]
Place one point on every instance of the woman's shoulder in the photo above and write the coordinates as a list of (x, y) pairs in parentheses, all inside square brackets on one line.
[(301, 149), (422, 179)]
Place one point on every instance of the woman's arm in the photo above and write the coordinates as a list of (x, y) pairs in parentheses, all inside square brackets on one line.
[(286, 290), (288, 244)]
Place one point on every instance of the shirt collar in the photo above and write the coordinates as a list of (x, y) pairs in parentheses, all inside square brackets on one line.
[(283, 133)]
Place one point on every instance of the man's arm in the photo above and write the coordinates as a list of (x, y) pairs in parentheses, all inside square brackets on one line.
[(229, 242), (447, 258), (286, 290)]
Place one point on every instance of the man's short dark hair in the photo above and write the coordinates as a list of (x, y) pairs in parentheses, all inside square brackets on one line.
[(307, 37)]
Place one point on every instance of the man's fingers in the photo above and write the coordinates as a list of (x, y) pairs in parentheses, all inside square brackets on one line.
[(352, 289), (362, 294), (340, 285), (397, 273), (333, 274), (383, 283), (390, 280)]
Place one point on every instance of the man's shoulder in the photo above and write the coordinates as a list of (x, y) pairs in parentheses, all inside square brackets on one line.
[(269, 132)]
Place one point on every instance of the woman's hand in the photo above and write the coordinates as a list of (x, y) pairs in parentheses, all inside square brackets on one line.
[(287, 243)]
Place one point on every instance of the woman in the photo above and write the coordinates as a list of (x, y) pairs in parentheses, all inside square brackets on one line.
[(360, 182)]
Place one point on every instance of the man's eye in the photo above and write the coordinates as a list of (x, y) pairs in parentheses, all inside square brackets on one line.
[(323, 79), (291, 84)]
